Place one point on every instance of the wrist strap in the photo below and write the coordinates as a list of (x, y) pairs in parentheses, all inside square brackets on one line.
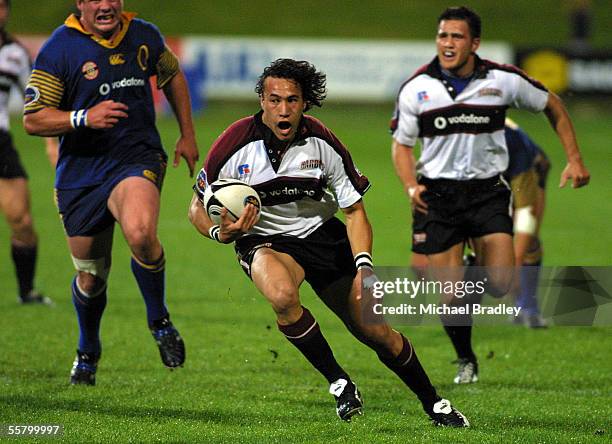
[(214, 232), (363, 259), (78, 119)]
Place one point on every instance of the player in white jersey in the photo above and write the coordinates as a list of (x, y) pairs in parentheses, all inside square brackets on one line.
[(456, 107), (14, 193), (303, 174)]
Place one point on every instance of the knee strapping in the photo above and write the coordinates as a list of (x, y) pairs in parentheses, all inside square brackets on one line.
[(96, 267)]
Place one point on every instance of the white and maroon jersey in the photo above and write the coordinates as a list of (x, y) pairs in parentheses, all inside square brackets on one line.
[(301, 188), (15, 71), (462, 135)]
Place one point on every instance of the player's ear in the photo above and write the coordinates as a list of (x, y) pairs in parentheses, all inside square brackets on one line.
[(475, 44)]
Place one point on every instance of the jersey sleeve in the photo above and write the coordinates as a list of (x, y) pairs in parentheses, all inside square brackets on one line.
[(167, 67), (405, 124), (166, 64), (529, 94), (343, 178), (45, 87)]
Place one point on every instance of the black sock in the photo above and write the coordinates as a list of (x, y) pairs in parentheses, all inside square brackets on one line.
[(461, 337), (24, 259), (306, 335), (406, 365)]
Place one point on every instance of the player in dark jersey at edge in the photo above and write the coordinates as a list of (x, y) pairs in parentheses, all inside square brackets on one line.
[(456, 106), (14, 193), (527, 173), (303, 174), (90, 86)]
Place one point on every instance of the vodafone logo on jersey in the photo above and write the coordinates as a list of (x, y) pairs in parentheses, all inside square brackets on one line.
[(469, 119), (106, 88)]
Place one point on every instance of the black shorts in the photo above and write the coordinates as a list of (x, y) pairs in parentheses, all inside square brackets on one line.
[(10, 165), (459, 210), (325, 255)]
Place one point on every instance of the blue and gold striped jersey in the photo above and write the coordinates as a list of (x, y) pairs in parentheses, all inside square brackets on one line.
[(76, 70)]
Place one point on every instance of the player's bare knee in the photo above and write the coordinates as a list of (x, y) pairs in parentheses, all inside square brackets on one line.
[(21, 222), (285, 300), (143, 242), (92, 274), (499, 286), (89, 284)]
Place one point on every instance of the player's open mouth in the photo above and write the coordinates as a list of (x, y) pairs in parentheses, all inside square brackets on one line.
[(448, 54), (105, 19), (284, 126)]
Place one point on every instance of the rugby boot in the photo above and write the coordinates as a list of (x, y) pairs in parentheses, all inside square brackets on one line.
[(467, 371), (442, 413), (170, 344), (84, 369), (348, 399)]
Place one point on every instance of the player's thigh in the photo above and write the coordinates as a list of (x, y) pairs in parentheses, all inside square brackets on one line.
[(134, 203), (496, 253), (15, 201), (278, 277), (447, 266), (92, 247)]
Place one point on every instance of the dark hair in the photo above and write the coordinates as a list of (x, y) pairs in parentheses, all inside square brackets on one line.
[(311, 81), (466, 14)]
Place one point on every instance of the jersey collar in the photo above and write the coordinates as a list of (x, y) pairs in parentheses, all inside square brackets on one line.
[(480, 68), (126, 17), (276, 149)]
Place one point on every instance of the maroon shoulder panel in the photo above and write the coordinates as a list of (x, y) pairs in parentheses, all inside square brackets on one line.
[(237, 135), (315, 128)]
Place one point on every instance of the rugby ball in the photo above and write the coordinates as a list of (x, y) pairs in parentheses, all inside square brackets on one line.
[(232, 194)]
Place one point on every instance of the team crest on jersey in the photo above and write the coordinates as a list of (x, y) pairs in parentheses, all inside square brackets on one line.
[(200, 185), (31, 95), (312, 164), (90, 70), (422, 96), (116, 59), (143, 57), (490, 92)]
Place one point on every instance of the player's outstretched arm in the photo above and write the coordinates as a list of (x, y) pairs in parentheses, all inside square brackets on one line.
[(49, 122), (405, 168), (560, 121), (177, 93)]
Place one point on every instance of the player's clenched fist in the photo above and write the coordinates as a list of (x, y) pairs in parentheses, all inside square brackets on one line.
[(106, 114)]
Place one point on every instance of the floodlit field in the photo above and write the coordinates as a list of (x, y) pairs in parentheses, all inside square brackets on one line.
[(243, 382)]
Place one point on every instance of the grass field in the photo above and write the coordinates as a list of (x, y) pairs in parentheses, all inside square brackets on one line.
[(539, 386)]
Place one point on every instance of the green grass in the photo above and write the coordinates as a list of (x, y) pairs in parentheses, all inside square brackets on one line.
[(519, 22), (539, 386)]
